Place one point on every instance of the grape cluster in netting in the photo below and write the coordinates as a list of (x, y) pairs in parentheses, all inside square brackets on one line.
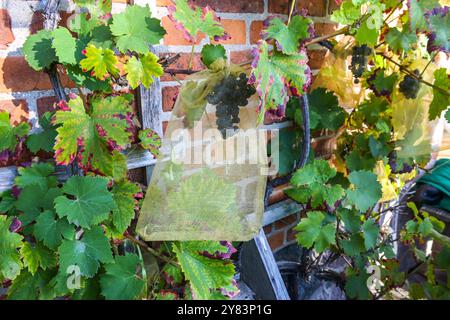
[(233, 92), (360, 56), (410, 85)]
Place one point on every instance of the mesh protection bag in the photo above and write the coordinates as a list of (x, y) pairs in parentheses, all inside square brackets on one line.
[(206, 186)]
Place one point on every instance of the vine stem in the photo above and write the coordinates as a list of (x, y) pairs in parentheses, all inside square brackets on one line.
[(151, 250), (291, 10), (191, 56), (418, 78)]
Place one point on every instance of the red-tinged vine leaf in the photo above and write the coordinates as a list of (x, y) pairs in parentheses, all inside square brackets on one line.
[(92, 131), (86, 202), (400, 40), (37, 256), (381, 84), (204, 274), (439, 24), (102, 62), (135, 29), (120, 281), (172, 275), (143, 70), (274, 74), (65, 45), (440, 101), (365, 190), (166, 295), (51, 230), (123, 194), (150, 141), (38, 50), (315, 231), (211, 53), (45, 139), (87, 253), (10, 242), (9, 134), (417, 11), (288, 37), (193, 20)]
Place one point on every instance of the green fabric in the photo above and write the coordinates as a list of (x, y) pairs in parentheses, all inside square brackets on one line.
[(439, 177)]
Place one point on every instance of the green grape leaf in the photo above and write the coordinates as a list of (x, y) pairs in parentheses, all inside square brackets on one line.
[(439, 24), (101, 61), (44, 140), (37, 256), (366, 190), (367, 35), (347, 13), (77, 126), (378, 148), (371, 232), (51, 231), (102, 37), (310, 182), (325, 105), (417, 10), (287, 145), (65, 45), (196, 20), (173, 274), (355, 161), (120, 281), (211, 53), (32, 287), (40, 174), (143, 70), (135, 29), (88, 202), (86, 253), (34, 200), (400, 40), (288, 37), (84, 79), (204, 274), (274, 74), (381, 84), (351, 219), (10, 243), (38, 50), (95, 7), (123, 195), (150, 140), (356, 285), (440, 101), (315, 231), (7, 202), (10, 133), (354, 246)]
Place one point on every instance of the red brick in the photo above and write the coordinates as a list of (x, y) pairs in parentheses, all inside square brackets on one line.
[(169, 95), (236, 6), (314, 7), (175, 36), (316, 58), (182, 63), (236, 30), (286, 221), (291, 234), (37, 20), (255, 31), (332, 5), (6, 35), (137, 175), (276, 240), (238, 57), (16, 75), (324, 28), (46, 104), (268, 229), (17, 108)]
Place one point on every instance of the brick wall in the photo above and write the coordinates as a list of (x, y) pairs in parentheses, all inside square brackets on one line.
[(27, 94)]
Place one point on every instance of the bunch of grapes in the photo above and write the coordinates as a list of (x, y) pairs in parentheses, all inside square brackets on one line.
[(410, 85), (360, 56), (228, 96)]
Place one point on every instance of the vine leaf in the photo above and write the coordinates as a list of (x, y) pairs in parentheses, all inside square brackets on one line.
[(51, 231), (65, 45), (120, 281), (211, 53), (86, 253), (356, 284), (143, 70), (371, 231), (440, 101), (9, 133), (38, 50), (95, 7), (275, 74), (31, 287), (325, 106), (123, 195), (150, 140), (37, 257), (135, 29), (101, 61), (310, 182), (439, 24), (417, 11), (400, 40), (44, 140), (288, 37), (204, 274), (348, 13), (93, 131), (89, 201), (194, 20), (366, 189), (40, 174), (10, 263), (315, 231)]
